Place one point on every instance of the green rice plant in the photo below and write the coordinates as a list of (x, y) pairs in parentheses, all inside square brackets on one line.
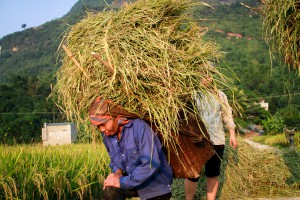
[(261, 138), (8, 188), (58, 172), (279, 140), (77, 172)]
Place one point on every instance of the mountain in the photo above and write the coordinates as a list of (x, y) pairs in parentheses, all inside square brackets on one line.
[(34, 50), (28, 63)]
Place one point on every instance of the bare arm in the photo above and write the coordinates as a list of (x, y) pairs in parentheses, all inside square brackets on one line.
[(232, 140)]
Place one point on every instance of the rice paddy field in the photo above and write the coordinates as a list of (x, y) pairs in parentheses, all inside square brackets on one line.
[(54, 172), (279, 140), (77, 171)]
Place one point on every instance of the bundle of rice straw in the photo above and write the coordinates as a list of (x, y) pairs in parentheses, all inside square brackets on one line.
[(148, 57), (282, 28), (253, 173), (249, 173)]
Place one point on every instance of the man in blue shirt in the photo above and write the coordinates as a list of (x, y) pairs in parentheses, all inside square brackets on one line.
[(138, 163)]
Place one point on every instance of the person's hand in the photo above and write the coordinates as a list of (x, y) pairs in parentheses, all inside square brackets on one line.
[(119, 173), (232, 140), (233, 143), (112, 180)]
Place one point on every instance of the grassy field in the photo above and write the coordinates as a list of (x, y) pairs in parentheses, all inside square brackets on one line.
[(77, 171), (58, 172), (279, 140)]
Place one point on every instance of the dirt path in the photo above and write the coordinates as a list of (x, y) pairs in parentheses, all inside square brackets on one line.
[(248, 139), (259, 146)]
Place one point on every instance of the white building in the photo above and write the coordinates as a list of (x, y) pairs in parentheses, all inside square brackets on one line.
[(264, 104), (58, 133)]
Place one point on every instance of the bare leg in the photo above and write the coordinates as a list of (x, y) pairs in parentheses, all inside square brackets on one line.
[(212, 185), (190, 189)]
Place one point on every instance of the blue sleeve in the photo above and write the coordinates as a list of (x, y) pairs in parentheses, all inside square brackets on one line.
[(149, 148)]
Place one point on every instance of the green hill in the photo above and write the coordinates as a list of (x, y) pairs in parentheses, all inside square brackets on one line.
[(33, 51)]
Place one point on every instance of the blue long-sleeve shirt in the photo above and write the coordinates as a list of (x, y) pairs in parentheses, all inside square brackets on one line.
[(139, 153)]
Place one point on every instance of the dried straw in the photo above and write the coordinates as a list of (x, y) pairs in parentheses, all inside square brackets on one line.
[(281, 20), (248, 173), (257, 173), (148, 57)]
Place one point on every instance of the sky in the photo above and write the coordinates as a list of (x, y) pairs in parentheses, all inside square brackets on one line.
[(14, 13)]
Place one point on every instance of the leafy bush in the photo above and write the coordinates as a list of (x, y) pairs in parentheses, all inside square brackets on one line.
[(290, 115), (256, 114), (273, 124)]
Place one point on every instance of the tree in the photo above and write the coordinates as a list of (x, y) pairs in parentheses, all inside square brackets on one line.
[(24, 108), (256, 114), (24, 26)]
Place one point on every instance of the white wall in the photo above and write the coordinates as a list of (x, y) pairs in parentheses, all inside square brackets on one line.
[(59, 133)]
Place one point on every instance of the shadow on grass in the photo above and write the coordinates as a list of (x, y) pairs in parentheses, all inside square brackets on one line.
[(292, 161), (224, 164)]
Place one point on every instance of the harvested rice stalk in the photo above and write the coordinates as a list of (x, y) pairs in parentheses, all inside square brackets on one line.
[(157, 57), (281, 21), (250, 172)]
